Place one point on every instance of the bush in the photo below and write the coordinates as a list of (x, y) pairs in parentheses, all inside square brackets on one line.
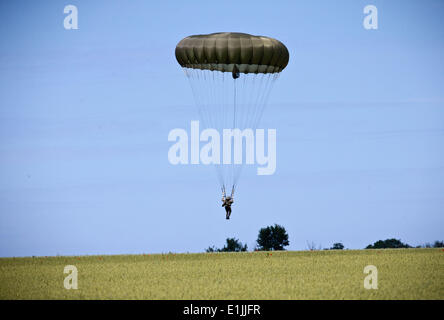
[(388, 243), (233, 245), (272, 238), (337, 246)]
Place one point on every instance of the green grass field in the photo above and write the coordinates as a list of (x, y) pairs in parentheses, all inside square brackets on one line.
[(402, 274)]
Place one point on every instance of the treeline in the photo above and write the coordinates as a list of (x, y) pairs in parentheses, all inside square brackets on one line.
[(269, 238), (396, 243), (276, 238)]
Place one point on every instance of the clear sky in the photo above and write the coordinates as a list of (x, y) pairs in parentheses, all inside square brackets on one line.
[(85, 115)]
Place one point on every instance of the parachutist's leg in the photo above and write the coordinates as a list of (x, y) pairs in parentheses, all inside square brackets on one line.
[(227, 210)]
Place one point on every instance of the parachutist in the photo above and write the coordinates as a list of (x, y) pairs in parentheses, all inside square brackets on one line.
[(227, 202), (235, 72)]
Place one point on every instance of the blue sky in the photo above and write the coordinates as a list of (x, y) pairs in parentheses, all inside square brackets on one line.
[(85, 115)]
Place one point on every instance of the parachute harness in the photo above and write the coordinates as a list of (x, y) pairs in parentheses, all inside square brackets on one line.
[(224, 196)]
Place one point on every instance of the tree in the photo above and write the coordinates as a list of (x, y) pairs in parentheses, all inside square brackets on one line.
[(272, 238), (212, 249), (233, 245), (388, 243), (337, 246), (438, 244)]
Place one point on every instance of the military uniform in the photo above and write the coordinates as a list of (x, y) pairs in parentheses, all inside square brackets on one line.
[(227, 202)]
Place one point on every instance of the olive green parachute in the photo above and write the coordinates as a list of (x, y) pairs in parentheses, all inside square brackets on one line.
[(225, 51)]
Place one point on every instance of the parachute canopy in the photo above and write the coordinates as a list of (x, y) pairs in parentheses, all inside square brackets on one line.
[(225, 51)]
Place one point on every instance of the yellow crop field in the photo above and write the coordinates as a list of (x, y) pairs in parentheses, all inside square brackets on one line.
[(330, 274)]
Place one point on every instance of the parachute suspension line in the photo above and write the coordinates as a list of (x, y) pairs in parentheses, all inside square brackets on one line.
[(222, 123), (208, 78), (254, 92), (227, 124), (191, 79), (220, 119), (244, 104), (208, 100), (258, 98), (242, 125), (234, 104), (259, 93), (233, 166), (218, 115), (201, 83), (271, 81), (205, 93), (222, 105)]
